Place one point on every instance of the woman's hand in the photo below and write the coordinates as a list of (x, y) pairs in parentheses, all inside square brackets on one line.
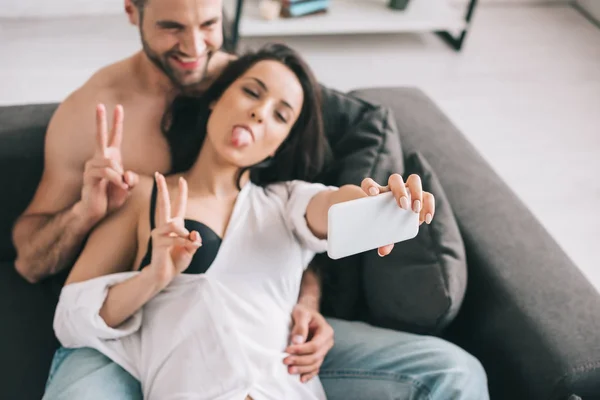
[(409, 195), (173, 246)]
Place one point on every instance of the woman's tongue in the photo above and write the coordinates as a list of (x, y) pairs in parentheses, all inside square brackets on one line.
[(241, 137)]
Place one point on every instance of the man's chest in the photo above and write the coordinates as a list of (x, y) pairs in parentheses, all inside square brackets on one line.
[(144, 148)]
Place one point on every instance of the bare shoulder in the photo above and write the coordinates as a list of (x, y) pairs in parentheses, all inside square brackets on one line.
[(73, 125), (140, 195)]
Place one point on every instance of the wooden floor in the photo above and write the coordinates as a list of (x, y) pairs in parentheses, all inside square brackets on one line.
[(525, 90)]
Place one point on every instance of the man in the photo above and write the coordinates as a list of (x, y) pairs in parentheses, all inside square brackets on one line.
[(181, 41)]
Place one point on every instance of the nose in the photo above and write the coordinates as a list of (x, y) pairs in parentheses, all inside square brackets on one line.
[(193, 43), (258, 114)]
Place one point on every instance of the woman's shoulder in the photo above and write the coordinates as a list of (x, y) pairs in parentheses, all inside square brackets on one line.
[(142, 190), (138, 200)]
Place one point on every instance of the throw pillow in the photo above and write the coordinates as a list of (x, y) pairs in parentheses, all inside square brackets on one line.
[(420, 286)]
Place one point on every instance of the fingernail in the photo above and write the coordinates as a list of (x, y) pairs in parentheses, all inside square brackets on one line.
[(428, 218), (417, 206), (379, 254), (404, 202), (297, 339), (293, 370), (373, 191)]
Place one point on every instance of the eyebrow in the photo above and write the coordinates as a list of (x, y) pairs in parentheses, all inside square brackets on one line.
[(262, 84), (175, 24), (169, 24)]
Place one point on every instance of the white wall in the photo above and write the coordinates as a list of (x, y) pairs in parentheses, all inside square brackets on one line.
[(592, 7), (59, 8)]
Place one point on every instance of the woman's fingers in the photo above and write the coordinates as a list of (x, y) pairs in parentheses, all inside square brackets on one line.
[(163, 203), (195, 238), (416, 192), (385, 250), (372, 188), (181, 202), (396, 184), (170, 241), (428, 210), (172, 228)]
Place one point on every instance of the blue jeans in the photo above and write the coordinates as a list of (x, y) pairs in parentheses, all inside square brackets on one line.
[(365, 363)]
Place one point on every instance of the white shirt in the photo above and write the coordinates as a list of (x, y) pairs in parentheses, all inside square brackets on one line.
[(218, 335)]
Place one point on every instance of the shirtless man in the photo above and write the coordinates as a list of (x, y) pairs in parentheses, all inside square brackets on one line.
[(181, 41)]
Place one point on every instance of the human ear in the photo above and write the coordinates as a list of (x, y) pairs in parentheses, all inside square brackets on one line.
[(132, 12)]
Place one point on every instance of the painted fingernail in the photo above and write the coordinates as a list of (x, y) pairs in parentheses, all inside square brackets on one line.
[(428, 218), (373, 191), (379, 253), (404, 202), (417, 206)]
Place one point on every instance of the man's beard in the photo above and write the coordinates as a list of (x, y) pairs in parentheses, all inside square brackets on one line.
[(162, 63)]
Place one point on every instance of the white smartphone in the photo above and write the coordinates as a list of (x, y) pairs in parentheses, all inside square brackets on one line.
[(368, 223)]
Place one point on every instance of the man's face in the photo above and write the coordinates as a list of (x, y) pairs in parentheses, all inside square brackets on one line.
[(180, 36)]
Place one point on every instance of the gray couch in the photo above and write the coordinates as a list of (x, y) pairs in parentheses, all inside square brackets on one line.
[(529, 315)]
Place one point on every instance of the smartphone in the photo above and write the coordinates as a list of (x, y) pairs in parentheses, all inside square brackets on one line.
[(368, 223)]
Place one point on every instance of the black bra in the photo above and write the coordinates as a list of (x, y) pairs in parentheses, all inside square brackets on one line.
[(204, 256)]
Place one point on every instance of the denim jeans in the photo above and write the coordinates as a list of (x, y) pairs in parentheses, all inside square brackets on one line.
[(365, 363)]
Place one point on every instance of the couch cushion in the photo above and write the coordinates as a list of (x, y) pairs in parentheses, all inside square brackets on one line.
[(22, 131), (420, 286), (365, 143)]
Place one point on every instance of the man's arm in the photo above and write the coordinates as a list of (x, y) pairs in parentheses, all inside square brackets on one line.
[(73, 193), (310, 289), (50, 232)]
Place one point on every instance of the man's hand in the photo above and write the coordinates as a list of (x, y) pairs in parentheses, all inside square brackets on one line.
[(106, 185), (312, 338)]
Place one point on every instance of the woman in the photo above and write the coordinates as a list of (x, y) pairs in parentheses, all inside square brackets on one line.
[(193, 296)]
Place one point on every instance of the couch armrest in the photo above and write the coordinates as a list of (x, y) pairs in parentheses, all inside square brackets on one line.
[(529, 314)]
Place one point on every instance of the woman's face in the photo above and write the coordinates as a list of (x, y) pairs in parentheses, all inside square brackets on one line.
[(255, 114)]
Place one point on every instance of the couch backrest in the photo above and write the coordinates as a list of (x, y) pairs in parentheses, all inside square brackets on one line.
[(22, 132)]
